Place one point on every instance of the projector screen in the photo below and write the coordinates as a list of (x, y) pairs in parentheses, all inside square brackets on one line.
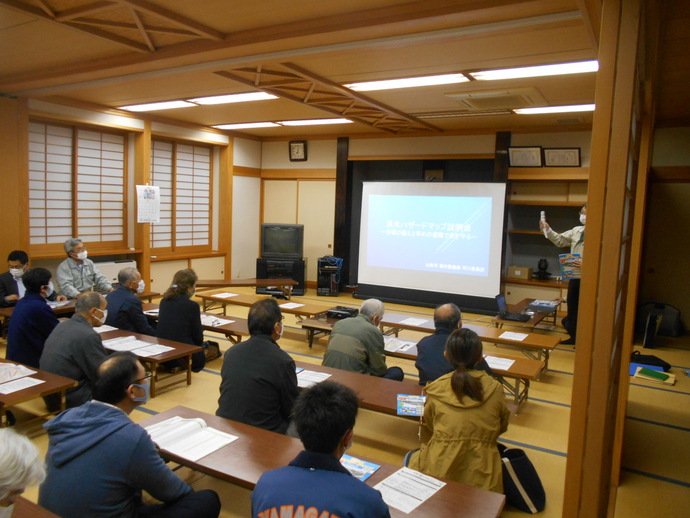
[(443, 237)]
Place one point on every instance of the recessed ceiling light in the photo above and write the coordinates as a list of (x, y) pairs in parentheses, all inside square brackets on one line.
[(410, 82), (233, 98), (246, 125), (537, 71), (315, 122), (164, 105), (556, 109)]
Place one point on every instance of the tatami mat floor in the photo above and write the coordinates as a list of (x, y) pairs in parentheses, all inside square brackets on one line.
[(655, 479)]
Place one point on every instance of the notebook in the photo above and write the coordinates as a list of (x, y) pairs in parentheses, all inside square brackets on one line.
[(507, 315)]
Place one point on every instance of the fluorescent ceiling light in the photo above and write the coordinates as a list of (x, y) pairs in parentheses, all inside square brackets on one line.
[(233, 98), (538, 71), (556, 109), (315, 122), (149, 107), (410, 82), (246, 125)]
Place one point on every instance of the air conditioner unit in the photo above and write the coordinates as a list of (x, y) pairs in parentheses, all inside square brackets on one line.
[(507, 99), (111, 268)]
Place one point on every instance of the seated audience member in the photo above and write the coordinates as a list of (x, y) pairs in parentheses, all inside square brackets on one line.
[(99, 461), (124, 307), (179, 319), (11, 286), (32, 320), (356, 344), (259, 384), (315, 483), (75, 350), (77, 274), (431, 361), (464, 414), (21, 466)]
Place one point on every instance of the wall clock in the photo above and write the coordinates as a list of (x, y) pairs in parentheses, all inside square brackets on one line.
[(298, 151)]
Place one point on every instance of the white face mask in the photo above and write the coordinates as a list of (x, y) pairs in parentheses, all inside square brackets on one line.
[(50, 289), (6, 512), (583, 218), (282, 328), (102, 319), (17, 272), (142, 285), (82, 255)]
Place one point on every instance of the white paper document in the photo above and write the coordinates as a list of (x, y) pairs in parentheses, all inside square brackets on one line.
[(307, 378), (406, 489), (210, 320), (13, 371), (414, 321), (104, 329), (225, 295), (138, 347), (499, 363), (152, 312), (148, 204), (55, 304), (397, 345), (509, 335), (191, 439), (291, 305), (20, 384)]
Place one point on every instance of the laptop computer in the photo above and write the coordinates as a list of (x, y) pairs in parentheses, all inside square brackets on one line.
[(507, 315)]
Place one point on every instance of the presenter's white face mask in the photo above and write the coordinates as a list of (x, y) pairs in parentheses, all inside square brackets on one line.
[(583, 218), (82, 255), (142, 285)]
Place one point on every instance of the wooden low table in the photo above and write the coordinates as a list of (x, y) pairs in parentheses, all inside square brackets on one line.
[(284, 285), (535, 346), (179, 350), (256, 451), (234, 331), (520, 373), (52, 384), (24, 508), (536, 319), (302, 311)]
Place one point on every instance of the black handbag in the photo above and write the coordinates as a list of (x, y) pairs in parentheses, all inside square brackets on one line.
[(521, 483), (649, 359)]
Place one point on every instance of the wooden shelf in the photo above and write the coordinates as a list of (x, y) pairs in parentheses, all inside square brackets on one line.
[(527, 232), (172, 256), (576, 174), (93, 252), (546, 203), (551, 283)]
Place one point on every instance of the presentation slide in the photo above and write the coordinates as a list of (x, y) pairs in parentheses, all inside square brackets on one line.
[(443, 237)]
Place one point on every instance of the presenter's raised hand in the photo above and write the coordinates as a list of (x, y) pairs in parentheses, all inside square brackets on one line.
[(543, 225)]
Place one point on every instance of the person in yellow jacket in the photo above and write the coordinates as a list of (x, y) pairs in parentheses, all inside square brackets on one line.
[(464, 414)]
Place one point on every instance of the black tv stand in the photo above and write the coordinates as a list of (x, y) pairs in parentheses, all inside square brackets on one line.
[(281, 269)]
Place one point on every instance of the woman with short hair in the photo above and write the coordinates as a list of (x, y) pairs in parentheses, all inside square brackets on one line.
[(20, 467)]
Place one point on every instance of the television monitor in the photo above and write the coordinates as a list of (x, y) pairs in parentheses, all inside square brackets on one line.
[(281, 241)]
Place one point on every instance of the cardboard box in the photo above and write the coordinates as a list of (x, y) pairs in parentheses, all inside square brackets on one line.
[(519, 272)]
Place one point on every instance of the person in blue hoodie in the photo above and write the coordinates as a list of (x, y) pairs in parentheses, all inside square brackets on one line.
[(32, 320), (99, 460), (315, 483)]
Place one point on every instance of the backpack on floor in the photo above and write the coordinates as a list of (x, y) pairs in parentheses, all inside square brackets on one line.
[(521, 483)]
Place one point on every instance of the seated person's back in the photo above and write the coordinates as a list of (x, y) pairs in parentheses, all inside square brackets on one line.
[(315, 483), (75, 350), (356, 344), (464, 413), (124, 307), (259, 383)]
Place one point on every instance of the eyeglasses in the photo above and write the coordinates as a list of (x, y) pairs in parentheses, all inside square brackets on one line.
[(146, 377)]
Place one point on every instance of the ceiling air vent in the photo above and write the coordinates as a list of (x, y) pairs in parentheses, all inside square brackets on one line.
[(508, 99)]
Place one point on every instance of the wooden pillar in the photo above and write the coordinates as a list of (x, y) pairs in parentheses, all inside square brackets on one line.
[(598, 403), (343, 210), (225, 208), (142, 176), (14, 175)]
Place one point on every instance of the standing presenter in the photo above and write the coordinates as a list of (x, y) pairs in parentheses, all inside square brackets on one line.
[(575, 239)]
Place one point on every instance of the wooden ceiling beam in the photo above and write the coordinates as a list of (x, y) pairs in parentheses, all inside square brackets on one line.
[(142, 30), (46, 8), (77, 12), (187, 23), (120, 40), (591, 17), (133, 26)]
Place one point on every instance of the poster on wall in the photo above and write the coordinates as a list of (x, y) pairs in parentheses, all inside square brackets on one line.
[(148, 204)]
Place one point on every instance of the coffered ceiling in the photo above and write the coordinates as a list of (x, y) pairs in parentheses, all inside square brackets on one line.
[(111, 53)]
